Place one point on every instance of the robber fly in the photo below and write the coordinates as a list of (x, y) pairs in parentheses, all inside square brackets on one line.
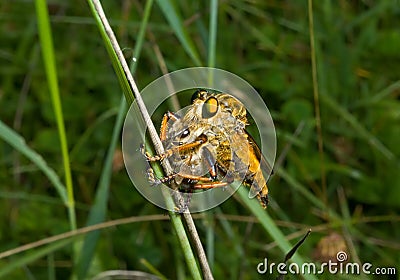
[(209, 147)]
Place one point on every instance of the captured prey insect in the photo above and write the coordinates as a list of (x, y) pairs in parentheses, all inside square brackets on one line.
[(209, 147)]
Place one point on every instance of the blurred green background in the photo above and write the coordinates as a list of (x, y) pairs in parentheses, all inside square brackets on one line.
[(267, 43)]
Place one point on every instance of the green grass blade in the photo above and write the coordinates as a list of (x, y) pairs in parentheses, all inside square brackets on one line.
[(152, 269), (357, 126), (175, 20), (316, 94), (237, 240), (126, 89), (210, 237), (98, 211), (180, 231), (384, 93), (18, 143), (52, 80), (33, 256), (212, 38), (51, 267), (141, 35), (253, 30), (305, 192), (184, 242), (85, 137)]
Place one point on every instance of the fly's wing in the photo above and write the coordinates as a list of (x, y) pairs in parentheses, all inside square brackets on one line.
[(258, 166)]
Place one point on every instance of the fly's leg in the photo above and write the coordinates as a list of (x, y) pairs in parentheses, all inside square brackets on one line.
[(163, 135), (213, 167), (164, 123), (194, 178), (150, 172), (184, 199), (151, 158), (199, 141), (215, 184), (207, 183), (165, 180), (151, 177), (211, 185), (210, 162), (153, 180)]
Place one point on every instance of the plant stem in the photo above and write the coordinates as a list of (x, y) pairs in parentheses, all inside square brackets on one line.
[(176, 219), (51, 73), (316, 101)]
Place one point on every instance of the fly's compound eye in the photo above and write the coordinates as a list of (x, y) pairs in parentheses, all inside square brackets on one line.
[(210, 108), (199, 94), (185, 133)]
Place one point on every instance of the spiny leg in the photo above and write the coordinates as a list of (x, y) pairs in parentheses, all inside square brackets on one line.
[(163, 134), (156, 181), (153, 180), (210, 162), (164, 124), (215, 167), (211, 185), (199, 140)]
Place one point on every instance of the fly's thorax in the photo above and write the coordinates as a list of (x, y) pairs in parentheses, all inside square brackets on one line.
[(233, 106), (219, 109)]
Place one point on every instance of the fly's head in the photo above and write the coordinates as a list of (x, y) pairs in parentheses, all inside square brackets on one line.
[(217, 109)]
